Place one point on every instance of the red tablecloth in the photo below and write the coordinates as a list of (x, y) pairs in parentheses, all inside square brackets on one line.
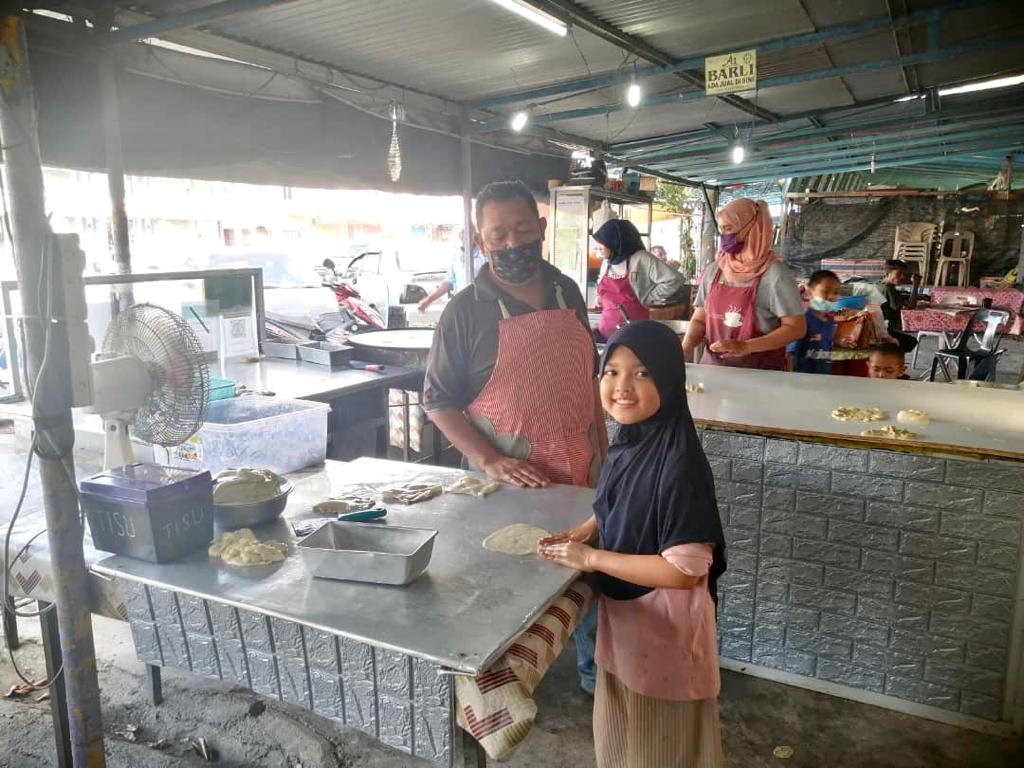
[(1012, 299), (939, 320)]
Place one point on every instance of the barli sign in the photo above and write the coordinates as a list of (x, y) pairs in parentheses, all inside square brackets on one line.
[(731, 72)]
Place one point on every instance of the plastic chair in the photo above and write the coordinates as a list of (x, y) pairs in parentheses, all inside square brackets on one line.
[(913, 245), (960, 249), (967, 359)]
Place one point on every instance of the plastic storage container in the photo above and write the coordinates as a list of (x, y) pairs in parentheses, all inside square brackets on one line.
[(221, 389), (149, 512), (261, 432)]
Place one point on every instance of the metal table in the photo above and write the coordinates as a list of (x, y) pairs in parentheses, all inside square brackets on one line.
[(372, 657)]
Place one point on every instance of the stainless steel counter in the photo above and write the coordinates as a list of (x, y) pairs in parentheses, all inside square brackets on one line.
[(462, 613), (305, 381)]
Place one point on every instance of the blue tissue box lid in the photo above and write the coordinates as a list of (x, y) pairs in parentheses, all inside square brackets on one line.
[(145, 484)]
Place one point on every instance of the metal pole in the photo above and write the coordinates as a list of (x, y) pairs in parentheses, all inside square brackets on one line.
[(467, 198), (709, 230), (107, 75), (51, 401)]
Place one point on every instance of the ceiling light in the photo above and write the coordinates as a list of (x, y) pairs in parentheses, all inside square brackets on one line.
[(738, 153), (984, 85), (634, 94), (711, 181), (911, 97), (537, 16), (519, 121)]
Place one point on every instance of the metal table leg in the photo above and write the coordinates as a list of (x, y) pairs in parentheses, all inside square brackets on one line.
[(58, 694), (406, 437), (11, 625), (156, 687)]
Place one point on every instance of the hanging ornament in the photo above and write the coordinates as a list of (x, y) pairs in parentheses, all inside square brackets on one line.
[(872, 162), (395, 150)]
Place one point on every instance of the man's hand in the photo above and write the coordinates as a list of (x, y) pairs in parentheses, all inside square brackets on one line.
[(915, 279), (515, 472), (571, 554), (424, 305), (730, 348)]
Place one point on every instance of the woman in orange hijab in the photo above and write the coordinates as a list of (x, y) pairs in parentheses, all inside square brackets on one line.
[(748, 306)]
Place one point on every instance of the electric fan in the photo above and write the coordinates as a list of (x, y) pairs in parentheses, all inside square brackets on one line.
[(150, 376)]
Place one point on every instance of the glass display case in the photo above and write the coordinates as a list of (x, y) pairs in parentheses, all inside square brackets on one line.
[(573, 210)]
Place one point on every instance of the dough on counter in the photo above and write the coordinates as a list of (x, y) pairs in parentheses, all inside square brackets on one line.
[(242, 548), (342, 505), (515, 539), (914, 416), (470, 485), (851, 413), (695, 389), (246, 486), (890, 432), (411, 493)]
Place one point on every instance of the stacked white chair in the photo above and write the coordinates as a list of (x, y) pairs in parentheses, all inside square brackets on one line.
[(955, 248), (914, 240)]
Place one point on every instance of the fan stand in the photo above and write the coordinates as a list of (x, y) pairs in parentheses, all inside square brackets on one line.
[(117, 446)]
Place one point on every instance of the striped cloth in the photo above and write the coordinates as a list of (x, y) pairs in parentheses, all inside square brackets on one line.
[(634, 731), (496, 707)]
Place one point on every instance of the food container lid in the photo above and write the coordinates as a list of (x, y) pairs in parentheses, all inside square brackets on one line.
[(145, 483)]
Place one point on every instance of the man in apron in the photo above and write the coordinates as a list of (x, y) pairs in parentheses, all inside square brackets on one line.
[(511, 377)]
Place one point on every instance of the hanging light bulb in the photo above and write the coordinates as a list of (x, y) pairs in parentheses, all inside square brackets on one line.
[(519, 121), (395, 150), (634, 94), (872, 162), (738, 153)]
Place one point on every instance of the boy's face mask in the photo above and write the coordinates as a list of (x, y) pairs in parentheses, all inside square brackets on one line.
[(823, 305)]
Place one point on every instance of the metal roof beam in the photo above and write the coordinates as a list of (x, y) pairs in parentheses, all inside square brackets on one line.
[(194, 18), (804, 77), (929, 154), (576, 15), (838, 151), (697, 62), (905, 128)]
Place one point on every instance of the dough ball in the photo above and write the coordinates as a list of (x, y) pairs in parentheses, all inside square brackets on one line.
[(913, 416), (242, 548), (515, 539)]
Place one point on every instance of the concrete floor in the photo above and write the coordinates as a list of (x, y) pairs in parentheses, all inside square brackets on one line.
[(757, 716)]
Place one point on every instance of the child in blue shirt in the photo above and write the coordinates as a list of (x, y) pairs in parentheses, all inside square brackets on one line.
[(813, 353)]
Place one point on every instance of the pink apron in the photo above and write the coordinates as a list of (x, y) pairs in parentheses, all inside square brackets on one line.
[(732, 314), (619, 303), (538, 404)]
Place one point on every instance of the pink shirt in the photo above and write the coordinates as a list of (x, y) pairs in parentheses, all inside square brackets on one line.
[(663, 644)]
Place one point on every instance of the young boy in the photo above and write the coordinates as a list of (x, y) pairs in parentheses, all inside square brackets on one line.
[(887, 362), (813, 353), (896, 275)]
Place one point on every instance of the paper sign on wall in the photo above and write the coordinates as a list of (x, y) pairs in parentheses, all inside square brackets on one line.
[(731, 72)]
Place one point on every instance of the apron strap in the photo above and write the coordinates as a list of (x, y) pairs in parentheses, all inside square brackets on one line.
[(560, 297), (505, 314)]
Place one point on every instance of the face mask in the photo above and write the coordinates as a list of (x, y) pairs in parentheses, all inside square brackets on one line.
[(516, 265), (823, 305), (730, 244)]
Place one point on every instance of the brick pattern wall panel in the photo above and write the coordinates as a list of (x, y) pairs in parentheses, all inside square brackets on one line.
[(877, 570)]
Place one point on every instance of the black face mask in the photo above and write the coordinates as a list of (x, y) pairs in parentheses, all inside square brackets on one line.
[(516, 265)]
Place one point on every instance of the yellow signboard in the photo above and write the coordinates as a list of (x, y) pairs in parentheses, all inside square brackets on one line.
[(730, 73)]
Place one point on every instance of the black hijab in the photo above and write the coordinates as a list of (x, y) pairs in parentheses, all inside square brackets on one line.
[(621, 238), (656, 489)]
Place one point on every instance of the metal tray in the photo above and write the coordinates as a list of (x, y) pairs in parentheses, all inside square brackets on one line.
[(325, 353), (281, 350), (371, 552)]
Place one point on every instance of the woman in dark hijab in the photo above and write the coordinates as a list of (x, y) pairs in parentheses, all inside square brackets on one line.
[(659, 552), (632, 279)]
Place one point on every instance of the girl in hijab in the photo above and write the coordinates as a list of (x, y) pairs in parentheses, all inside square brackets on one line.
[(748, 306), (655, 549), (632, 279)]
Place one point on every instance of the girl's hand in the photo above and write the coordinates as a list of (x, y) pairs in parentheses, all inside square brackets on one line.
[(584, 533), (571, 554)]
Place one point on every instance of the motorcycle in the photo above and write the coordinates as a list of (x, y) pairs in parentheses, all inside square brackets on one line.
[(359, 314)]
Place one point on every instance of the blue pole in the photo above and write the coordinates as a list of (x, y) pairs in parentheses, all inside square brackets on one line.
[(697, 62)]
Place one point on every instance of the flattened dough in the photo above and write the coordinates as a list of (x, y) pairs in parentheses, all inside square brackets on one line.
[(851, 413), (515, 539), (242, 548), (914, 416), (474, 486), (890, 432)]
